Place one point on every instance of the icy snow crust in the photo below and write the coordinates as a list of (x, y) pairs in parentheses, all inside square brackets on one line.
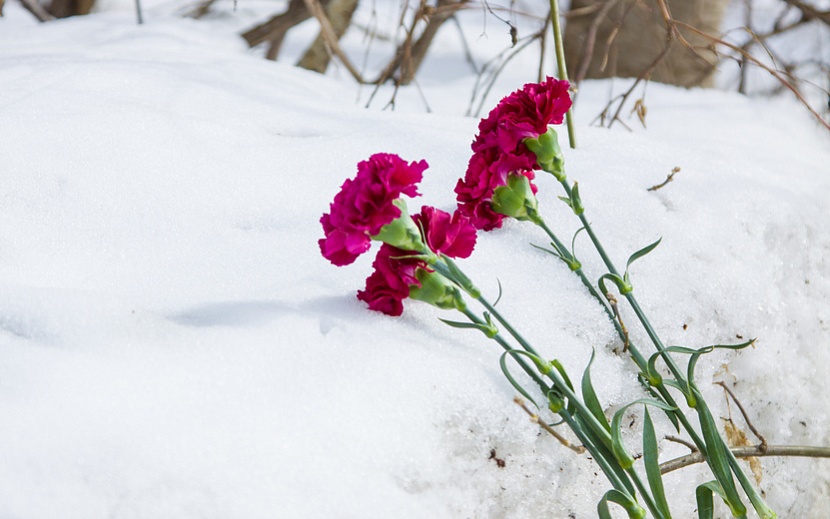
[(173, 345)]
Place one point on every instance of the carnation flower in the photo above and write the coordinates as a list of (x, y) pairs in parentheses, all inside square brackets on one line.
[(499, 149), (486, 171), (398, 271), (524, 113), (388, 285), (452, 235), (365, 204)]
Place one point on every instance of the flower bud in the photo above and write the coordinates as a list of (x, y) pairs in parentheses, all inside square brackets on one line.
[(436, 290), (515, 199), (402, 232), (548, 153)]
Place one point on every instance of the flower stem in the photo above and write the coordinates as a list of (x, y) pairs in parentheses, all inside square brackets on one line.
[(635, 352), (560, 63), (604, 464), (757, 501), (450, 270), (447, 268), (518, 358)]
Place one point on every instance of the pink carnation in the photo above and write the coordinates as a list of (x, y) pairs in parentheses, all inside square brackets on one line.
[(365, 204), (395, 269), (487, 170), (388, 285), (452, 235), (524, 113), (498, 149)]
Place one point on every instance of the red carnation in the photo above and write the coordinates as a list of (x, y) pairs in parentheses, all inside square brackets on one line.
[(452, 235), (487, 170), (388, 285), (524, 113), (499, 149), (365, 204), (396, 270)]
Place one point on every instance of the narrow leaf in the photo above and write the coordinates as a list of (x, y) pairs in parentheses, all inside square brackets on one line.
[(590, 396), (651, 460), (642, 252), (618, 448), (718, 460), (622, 499), (516, 385), (705, 500), (561, 369)]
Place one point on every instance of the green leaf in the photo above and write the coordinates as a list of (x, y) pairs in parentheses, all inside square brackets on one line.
[(651, 460), (705, 501), (556, 252), (513, 382), (682, 385), (622, 285), (642, 252), (590, 396), (600, 449), (561, 369), (630, 505), (487, 330), (618, 448), (718, 460), (576, 200)]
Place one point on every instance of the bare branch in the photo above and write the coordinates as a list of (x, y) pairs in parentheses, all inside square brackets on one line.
[(37, 11)]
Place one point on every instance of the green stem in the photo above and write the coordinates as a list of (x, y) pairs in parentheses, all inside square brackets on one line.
[(518, 358), (635, 352), (447, 268), (586, 441), (650, 504), (601, 460), (764, 511), (560, 63), (676, 373), (560, 385), (757, 502)]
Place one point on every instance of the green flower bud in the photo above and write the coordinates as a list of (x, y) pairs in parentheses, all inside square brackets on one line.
[(437, 290), (402, 232), (516, 199), (548, 153)]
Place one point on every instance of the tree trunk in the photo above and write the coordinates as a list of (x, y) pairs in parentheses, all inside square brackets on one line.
[(275, 29), (67, 8), (339, 13), (410, 56), (623, 37)]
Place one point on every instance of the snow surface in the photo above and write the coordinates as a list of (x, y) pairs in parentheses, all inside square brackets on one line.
[(173, 345)]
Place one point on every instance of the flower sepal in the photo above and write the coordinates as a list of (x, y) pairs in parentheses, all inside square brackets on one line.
[(402, 232), (437, 291), (516, 199), (548, 153)]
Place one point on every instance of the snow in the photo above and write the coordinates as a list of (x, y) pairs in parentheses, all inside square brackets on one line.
[(173, 344)]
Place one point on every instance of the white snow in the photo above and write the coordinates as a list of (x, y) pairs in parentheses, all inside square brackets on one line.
[(173, 345)]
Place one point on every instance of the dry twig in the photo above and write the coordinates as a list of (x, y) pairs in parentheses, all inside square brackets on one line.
[(579, 449), (749, 452)]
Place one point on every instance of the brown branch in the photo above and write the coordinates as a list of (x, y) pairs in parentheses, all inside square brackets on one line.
[(591, 39), (330, 37), (579, 449), (37, 11), (749, 452), (675, 170), (755, 61), (809, 12), (763, 445)]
